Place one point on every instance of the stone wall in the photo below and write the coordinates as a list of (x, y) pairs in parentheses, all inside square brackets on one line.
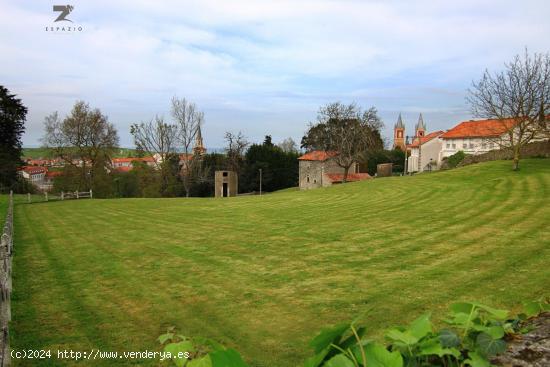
[(537, 149)]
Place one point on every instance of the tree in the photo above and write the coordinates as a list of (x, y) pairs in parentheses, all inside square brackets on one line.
[(288, 145), (157, 139), (84, 139), (12, 126), (279, 168), (346, 131), (519, 98), (235, 149), (188, 120)]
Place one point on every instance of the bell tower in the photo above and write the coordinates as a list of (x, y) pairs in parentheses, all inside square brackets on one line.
[(399, 134), (199, 148), (420, 128)]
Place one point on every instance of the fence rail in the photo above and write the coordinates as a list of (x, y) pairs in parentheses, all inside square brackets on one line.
[(6, 251), (63, 195)]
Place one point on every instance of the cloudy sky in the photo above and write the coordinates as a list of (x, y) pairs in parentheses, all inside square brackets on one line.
[(262, 67)]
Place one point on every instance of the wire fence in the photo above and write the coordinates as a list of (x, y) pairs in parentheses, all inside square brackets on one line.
[(6, 251)]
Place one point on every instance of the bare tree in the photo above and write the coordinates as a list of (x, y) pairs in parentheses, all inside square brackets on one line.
[(346, 132), (236, 147), (156, 139), (518, 98), (84, 139), (288, 145), (188, 119)]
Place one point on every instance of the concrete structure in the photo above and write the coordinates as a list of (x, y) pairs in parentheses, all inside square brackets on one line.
[(384, 170), (318, 169), (226, 183), (425, 153), (34, 175)]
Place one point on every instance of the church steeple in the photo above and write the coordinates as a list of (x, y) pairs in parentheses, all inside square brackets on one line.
[(199, 144), (399, 134), (420, 128)]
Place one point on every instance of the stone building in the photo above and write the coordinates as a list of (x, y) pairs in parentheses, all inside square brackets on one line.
[(318, 169), (399, 134), (226, 183)]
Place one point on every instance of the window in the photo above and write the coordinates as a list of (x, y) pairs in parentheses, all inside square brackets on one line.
[(225, 174), (448, 145), (484, 145), (491, 145), (307, 179), (400, 134), (454, 146), (471, 146), (464, 145)]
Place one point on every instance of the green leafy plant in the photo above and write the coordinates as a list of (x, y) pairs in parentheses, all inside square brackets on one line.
[(476, 333), (198, 351)]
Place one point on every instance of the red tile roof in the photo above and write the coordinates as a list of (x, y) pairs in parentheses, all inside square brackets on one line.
[(339, 177), (51, 174), (317, 155), (132, 159), (425, 139), (480, 129), (33, 170), (123, 169)]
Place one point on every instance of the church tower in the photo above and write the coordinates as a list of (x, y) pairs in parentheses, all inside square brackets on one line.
[(199, 144), (399, 134), (420, 128)]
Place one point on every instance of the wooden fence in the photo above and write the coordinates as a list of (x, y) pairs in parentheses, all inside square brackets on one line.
[(6, 250), (63, 195)]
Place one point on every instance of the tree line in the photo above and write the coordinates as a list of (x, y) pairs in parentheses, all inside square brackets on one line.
[(85, 140)]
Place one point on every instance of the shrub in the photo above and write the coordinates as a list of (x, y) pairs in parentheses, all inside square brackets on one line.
[(455, 159)]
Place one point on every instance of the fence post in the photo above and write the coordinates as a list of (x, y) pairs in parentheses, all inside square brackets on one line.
[(46, 195), (76, 192), (62, 195), (90, 193), (29, 197)]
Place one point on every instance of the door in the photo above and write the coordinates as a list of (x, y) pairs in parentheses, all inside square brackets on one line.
[(224, 192)]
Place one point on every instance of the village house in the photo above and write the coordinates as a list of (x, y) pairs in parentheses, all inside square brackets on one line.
[(424, 153), (33, 174), (475, 136), (318, 169)]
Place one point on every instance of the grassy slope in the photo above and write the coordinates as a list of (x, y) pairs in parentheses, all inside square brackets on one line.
[(44, 153), (265, 274), (3, 210)]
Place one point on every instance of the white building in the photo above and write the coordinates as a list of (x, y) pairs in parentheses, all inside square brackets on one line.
[(425, 153), (475, 137), (34, 175)]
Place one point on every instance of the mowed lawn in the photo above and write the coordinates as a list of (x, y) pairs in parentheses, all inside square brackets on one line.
[(265, 274)]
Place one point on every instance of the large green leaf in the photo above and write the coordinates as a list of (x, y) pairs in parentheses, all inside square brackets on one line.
[(433, 347), (496, 313), (534, 308), (378, 356), (328, 336), (489, 346), (476, 360), (201, 362), (339, 360), (421, 327), (175, 349), (164, 337), (316, 360), (448, 338), (462, 307), (404, 337), (226, 358)]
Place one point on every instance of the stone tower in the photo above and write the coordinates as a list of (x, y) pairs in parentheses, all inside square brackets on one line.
[(399, 134), (199, 148), (420, 128)]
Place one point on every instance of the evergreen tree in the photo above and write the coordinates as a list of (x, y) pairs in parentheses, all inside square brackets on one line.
[(12, 126)]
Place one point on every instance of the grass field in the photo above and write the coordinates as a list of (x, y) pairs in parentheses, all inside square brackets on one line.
[(265, 274), (45, 153)]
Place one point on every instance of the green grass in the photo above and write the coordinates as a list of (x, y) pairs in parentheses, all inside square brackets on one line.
[(265, 274), (45, 153), (3, 210)]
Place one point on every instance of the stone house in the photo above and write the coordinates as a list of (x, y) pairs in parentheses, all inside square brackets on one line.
[(318, 169)]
